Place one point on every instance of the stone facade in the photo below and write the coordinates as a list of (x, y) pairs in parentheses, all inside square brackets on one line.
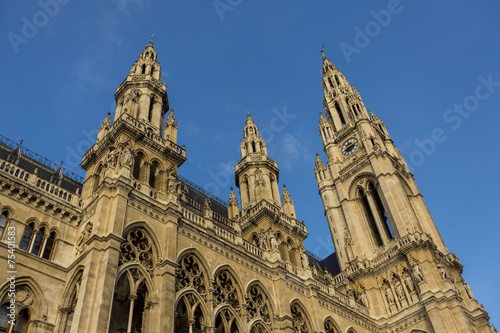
[(134, 247)]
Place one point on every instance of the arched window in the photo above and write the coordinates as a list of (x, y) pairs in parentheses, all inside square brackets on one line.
[(331, 327), (369, 216), (381, 211), (253, 147), (97, 177), (337, 80), (129, 303), (3, 223), (339, 111), (28, 234), (259, 307), (151, 106), (154, 179), (225, 322), (49, 246), (143, 68), (138, 161), (331, 83), (189, 316), (301, 322), (22, 321), (292, 253), (37, 243)]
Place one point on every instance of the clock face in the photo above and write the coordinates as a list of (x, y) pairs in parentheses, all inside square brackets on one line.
[(349, 146)]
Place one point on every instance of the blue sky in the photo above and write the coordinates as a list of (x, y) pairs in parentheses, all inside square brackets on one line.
[(60, 71)]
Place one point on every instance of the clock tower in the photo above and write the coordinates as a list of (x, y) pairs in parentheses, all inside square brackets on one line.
[(388, 247)]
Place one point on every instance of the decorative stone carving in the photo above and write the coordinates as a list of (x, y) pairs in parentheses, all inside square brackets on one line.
[(299, 320), (138, 248), (417, 272), (409, 283), (258, 305), (274, 242), (468, 290), (262, 240), (190, 274), (112, 158), (126, 157), (305, 259), (225, 290), (389, 295), (84, 236), (442, 272), (398, 287)]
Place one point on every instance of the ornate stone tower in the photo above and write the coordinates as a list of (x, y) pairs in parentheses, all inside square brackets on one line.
[(130, 203), (264, 221), (387, 244)]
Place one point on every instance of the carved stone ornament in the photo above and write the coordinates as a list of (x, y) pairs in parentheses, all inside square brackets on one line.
[(225, 290), (84, 236), (299, 320), (258, 304), (190, 274), (137, 248)]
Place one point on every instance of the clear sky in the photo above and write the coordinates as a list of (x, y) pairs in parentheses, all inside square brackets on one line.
[(414, 68)]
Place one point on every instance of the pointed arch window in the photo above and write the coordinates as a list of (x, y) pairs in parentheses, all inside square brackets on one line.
[(143, 68), (49, 246), (3, 223), (22, 321), (369, 216), (337, 80), (189, 317), (28, 234), (138, 163), (37, 242), (225, 322), (381, 211), (339, 111), (151, 108), (331, 83), (97, 177)]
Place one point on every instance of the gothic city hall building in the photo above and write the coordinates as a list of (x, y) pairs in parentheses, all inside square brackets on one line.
[(134, 247)]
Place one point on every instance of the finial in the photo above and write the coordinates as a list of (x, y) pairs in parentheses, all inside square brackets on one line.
[(248, 112), (323, 51), (20, 143), (151, 40)]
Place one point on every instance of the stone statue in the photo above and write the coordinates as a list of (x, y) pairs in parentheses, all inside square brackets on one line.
[(328, 277), (274, 242), (348, 290), (409, 283), (389, 295), (348, 244), (84, 236), (262, 240), (363, 299), (305, 259), (442, 272), (113, 158), (417, 272), (468, 290), (399, 289), (126, 157)]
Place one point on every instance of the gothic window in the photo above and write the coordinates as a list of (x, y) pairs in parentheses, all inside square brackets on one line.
[(226, 290), (189, 317), (151, 106), (337, 80), (49, 246), (138, 248), (22, 321), (369, 216), (300, 320), (28, 234), (339, 111), (154, 178), (381, 211), (331, 327), (129, 303), (225, 322), (259, 327), (259, 306), (282, 247), (97, 177), (331, 83), (191, 274), (292, 253), (143, 68), (37, 243), (253, 147), (3, 223), (139, 166)]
